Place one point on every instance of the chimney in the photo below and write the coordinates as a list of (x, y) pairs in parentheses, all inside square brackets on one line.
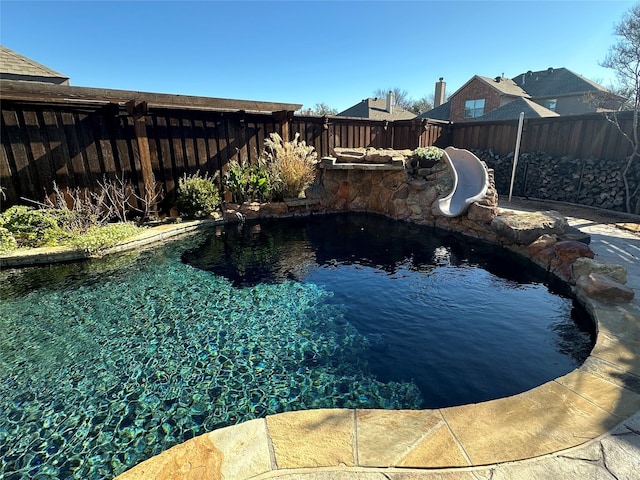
[(391, 101), (438, 98)]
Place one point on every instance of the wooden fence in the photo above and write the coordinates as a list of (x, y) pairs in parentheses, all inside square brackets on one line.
[(75, 136), (581, 136), (76, 143)]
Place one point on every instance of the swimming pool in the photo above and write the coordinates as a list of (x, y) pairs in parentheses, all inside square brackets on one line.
[(110, 362)]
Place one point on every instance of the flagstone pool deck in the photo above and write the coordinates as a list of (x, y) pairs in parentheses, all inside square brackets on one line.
[(585, 424)]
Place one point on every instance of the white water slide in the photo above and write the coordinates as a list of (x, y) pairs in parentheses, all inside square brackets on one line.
[(470, 182)]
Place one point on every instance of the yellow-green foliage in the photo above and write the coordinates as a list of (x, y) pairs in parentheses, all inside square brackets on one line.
[(293, 165), (101, 237), (22, 226), (7, 241), (428, 153), (33, 227), (197, 196)]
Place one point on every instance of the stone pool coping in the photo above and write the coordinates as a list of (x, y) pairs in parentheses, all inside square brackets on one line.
[(558, 415)]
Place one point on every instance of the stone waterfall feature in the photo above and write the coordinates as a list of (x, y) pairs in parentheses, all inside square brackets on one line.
[(397, 184)]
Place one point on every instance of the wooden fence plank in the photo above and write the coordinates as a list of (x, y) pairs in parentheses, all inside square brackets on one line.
[(17, 146), (58, 147), (37, 152), (7, 168)]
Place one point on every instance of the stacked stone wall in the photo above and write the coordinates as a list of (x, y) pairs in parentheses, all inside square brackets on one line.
[(591, 182)]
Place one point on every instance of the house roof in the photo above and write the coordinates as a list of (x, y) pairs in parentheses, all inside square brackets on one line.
[(441, 112), (555, 82), (511, 111), (14, 66), (376, 109), (504, 86)]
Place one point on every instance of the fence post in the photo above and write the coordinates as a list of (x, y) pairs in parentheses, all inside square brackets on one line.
[(138, 110), (284, 117)]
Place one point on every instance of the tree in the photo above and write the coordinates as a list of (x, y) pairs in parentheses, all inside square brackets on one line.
[(624, 58), (320, 109), (422, 105), (401, 96)]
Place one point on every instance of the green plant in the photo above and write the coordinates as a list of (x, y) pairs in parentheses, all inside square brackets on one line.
[(292, 165), (7, 241), (32, 227), (248, 182), (100, 237), (428, 153), (197, 196)]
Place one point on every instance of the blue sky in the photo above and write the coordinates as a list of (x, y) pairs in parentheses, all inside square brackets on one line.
[(336, 52)]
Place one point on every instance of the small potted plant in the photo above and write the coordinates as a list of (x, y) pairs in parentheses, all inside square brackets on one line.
[(427, 156)]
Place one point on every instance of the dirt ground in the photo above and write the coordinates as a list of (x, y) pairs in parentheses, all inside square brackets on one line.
[(621, 220)]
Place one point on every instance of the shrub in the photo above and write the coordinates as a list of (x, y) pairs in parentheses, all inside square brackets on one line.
[(100, 237), (32, 227), (197, 196), (428, 153), (7, 241), (248, 182), (292, 165)]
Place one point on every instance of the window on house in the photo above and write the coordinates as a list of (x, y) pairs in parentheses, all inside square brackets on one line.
[(474, 108), (551, 104)]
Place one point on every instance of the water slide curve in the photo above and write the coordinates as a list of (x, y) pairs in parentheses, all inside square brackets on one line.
[(470, 182)]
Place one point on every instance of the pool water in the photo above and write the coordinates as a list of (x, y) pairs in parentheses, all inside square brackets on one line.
[(106, 363)]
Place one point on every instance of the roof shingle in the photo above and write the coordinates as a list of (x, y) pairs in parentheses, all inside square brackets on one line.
[(14, 65), (376, 109)]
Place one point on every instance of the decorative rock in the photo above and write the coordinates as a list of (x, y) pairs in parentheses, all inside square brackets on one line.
[(328, 161), (343, 190), (566, 253), (379, 156), (585, 266), (349, 155), (276, 208), (481, 213), (573, 233), (601, 287), (250, 210), (417, 185), (543, 242), (524, 228), (570, 250)]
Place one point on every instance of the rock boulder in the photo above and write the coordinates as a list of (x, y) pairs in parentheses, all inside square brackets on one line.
[(603, 288), (524, 228)]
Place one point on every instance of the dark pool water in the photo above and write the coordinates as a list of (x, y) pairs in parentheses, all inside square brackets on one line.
[(106, 363)]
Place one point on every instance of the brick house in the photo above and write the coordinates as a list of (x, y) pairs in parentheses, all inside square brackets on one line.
[(565, 92), (481, 95), (547, 93)]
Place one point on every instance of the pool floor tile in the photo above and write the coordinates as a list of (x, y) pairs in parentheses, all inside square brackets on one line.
[(313, 438), (546, 419)]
